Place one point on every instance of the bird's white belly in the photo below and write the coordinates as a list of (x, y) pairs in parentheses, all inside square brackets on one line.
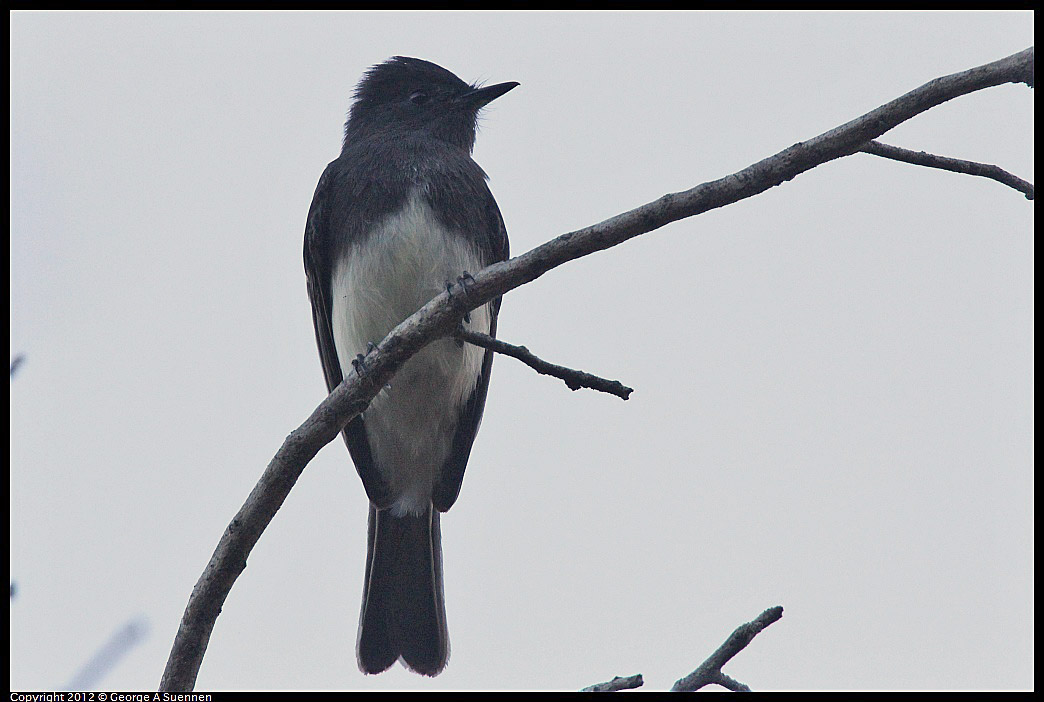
[(404, 263)]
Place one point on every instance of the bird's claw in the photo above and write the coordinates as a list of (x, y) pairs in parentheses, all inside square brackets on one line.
[(359, 363), (463, 280)]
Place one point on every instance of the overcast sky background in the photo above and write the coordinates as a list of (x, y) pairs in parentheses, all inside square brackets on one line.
[(833, 406)]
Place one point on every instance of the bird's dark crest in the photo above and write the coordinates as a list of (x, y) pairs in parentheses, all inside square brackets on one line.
[(399, 75)]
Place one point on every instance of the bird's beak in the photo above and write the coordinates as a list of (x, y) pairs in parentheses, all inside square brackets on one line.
[(480, 97)]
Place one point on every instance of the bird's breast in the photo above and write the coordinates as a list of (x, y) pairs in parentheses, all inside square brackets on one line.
[(380, 280)]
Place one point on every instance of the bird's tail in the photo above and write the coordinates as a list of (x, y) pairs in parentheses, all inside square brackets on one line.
[(403, 608)]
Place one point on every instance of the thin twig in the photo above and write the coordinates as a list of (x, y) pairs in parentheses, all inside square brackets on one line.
[(709, 672), (575, 379), (730, 684), (616, 684), (923, 158), (122, 641)]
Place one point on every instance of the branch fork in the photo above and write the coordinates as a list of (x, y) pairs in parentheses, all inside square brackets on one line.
[(442, 316)]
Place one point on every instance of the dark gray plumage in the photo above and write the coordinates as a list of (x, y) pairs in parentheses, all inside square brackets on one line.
[(402, 211)]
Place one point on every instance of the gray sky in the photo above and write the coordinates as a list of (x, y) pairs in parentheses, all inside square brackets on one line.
[(833, 381)]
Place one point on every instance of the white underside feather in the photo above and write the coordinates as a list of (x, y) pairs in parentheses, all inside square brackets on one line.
[(403, 264)]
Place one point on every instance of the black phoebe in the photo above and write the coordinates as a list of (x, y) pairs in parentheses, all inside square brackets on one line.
[(403, 213)]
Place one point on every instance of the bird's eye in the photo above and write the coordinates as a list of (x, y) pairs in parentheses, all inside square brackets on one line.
[(419, 97)]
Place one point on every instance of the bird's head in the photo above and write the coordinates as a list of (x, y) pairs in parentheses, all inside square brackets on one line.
[(409, 95)]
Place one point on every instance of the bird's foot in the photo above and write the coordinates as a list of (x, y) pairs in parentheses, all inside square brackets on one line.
[(463, 280)]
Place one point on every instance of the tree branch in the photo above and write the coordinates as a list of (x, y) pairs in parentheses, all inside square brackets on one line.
[(441, 316), (616, 684), (709, 672), (122, 641), (573, 378), (923, 158)]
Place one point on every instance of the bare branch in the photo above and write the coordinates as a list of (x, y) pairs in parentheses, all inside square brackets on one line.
[(709, 672), (229, 558), (122, 641), (730, 684), (573, 378), (441, 316), (616, 684), (923, 158)]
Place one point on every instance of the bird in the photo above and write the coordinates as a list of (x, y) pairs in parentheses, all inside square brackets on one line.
[(401, 215)]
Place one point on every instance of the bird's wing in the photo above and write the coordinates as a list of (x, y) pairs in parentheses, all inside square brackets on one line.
[(448, 480), (319, 251)]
